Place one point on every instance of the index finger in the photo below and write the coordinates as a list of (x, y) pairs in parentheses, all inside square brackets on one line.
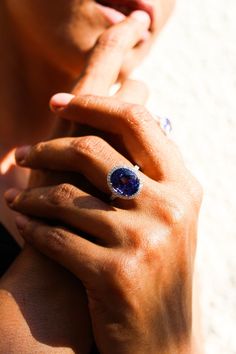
[(104, 64)]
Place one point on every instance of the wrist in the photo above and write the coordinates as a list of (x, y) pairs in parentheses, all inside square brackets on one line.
[(166, 335), (139, 345)]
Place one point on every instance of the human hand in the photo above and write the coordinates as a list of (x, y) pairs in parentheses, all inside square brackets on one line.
[(68, 294), (101, 71), (134, 257)]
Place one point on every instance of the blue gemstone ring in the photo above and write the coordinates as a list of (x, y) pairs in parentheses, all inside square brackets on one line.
[(124, 182)]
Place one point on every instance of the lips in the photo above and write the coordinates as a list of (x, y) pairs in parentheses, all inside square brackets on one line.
[(125, 7)]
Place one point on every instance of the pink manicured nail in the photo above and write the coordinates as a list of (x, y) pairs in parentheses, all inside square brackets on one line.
[(142, 17), (21, 153), (11, 194), (60, 101), (21, 222)]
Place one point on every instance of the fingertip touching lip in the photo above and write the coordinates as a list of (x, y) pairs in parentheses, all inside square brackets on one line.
[(125, 7)]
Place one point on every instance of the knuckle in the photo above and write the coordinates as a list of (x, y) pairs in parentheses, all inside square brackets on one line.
[(136, 116), (22, 200), (178, 215), (38, 148), (31, 230), (59, 195), (177, 212), (55, 241), (181, 203), (51, 240), (110, 40), (133, 240), (87, 145), (85, 101), (194, 189), (144, 243), (140, 238)]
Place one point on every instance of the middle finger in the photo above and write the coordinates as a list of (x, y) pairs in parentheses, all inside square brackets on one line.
[(69, 206), (144, 141)]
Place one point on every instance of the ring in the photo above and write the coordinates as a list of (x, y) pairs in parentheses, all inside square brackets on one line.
[(165, 124), (124, 182)]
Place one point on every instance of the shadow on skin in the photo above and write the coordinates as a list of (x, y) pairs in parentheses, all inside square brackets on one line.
[(49, 307), (54, 308), (62, 321)]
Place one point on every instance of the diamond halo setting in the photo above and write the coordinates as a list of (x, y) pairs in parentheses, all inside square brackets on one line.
[(124, 182)]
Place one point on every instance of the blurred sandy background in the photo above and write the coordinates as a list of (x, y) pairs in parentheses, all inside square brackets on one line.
[(192, 77)]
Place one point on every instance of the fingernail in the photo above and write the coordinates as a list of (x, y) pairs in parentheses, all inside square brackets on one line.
[(142, 17), (60, 101), (21, 153), (11, 195), (21, 222)]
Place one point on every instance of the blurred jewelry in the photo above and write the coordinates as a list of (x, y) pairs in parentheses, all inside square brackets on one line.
[(165, 125), (124, 182)]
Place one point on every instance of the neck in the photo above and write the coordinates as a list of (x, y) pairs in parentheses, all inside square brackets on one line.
[(26, 85)]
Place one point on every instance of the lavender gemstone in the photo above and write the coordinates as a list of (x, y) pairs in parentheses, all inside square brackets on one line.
[(165, 124), (125, 182)]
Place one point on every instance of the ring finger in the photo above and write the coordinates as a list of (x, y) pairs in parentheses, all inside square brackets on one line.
[(91, 156)]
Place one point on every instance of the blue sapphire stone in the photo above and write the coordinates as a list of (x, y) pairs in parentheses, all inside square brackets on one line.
[(124, 182)]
